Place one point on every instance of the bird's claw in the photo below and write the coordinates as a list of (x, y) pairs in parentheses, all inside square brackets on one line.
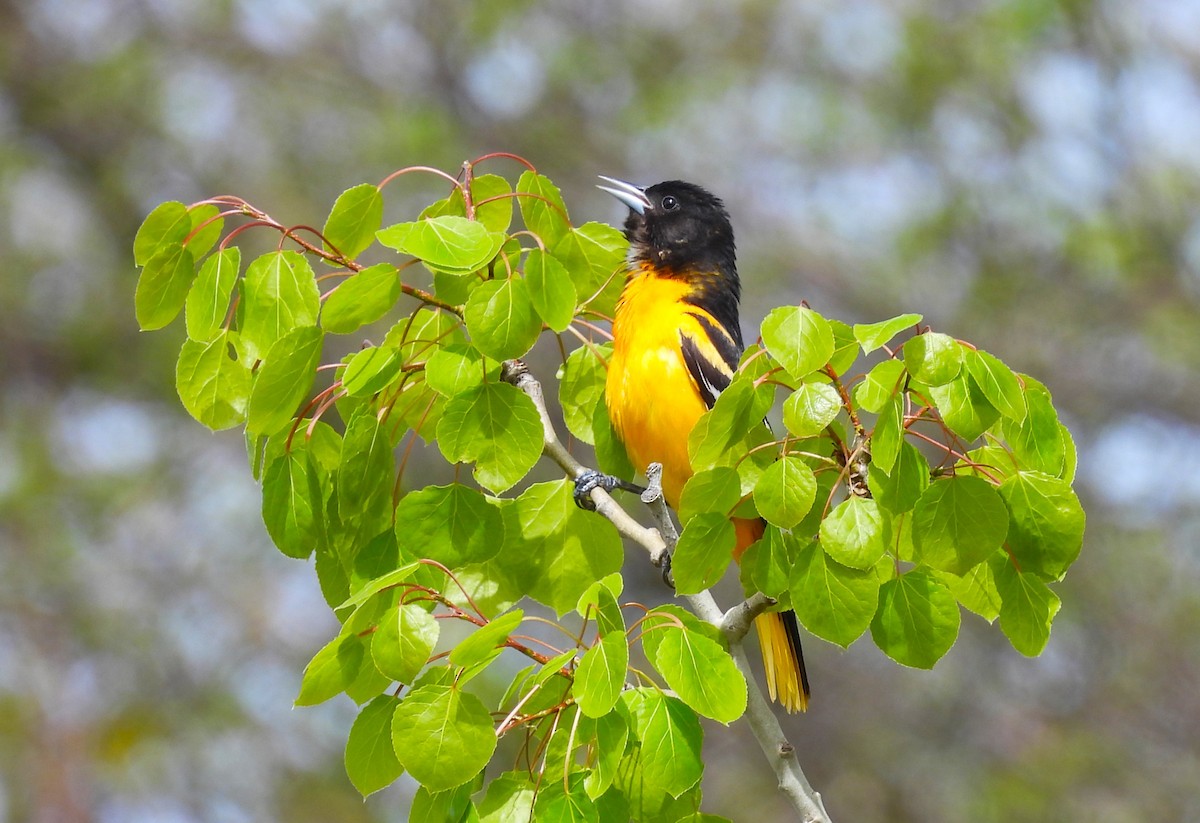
[(592, 479)]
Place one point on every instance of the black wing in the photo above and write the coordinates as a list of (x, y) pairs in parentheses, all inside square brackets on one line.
[(711, 377)]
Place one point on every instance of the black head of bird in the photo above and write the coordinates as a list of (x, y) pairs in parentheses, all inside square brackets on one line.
[(677, 227)]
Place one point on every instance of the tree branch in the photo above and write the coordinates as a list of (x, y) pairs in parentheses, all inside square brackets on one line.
[(761, 719)]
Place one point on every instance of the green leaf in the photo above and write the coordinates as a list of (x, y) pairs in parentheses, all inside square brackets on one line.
[(440, 807), (811, 408), (888, 434), (581, 388), (484, 641), (331, 670), (167, 225), (356, 216), (371, 370), (570, 804), (917, 621), (766, 565), (365, 476), (1045, 532), (557, 549), (1037, 440), (1027, 608), (958, 523), (997, 382), (713, 490), (845, 347), (834, 602), (361, 298), (671, 738), (542, 207), (371, 762), (393, 578), (593, 255), (703, 552), (162, 287), (447, 243), (799, 338), (609, 735), (899, 489), (213, 387), (202, 239), (495, 425), (611, 457), (933, 358), (880, 385), (509, 799), (964, 407), (873, 335), (452, 524), (501, 319), (283, 380), (454, 369), (443, 737), (207, 302), (726, 423), (601, 674), (976, 590), (292, 501), (853, 533), (785, 492), (403, 642), (550, 289), (702, 674), (279, 293)]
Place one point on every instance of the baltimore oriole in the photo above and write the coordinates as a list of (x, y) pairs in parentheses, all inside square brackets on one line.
[(676, 344)]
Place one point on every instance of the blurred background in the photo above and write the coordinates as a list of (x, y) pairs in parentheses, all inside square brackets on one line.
[(1026, 173)]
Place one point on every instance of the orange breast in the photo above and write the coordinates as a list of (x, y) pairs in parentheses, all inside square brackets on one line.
[(652, 400)]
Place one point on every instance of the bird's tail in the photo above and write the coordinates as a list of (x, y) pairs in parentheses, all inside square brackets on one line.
[(783, 659), (779, 638)]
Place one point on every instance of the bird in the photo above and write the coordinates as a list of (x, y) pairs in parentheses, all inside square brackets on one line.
[(677, 341)]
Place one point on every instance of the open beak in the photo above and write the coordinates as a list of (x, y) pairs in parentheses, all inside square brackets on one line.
[(629, 194)]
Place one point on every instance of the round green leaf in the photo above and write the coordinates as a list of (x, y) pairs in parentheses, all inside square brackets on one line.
[(834, 602), (371, 370), (360, 299), (163, 285), (442, 736), (1046, 527), (799, 338), (167, 225), (899, 489), (785, 492), (811, 408), (446, 243), (458, 367), (853, 533), (917, 621), (453, 525), (495, 425), (701, 673), (279, 293), (933, 358), (703, 552), (1027, 608), (601, 675), (581, 389), (873, 335), (501, 319), (403, 642), (958, 523), (213, 386), (880, 385), (713, 490)]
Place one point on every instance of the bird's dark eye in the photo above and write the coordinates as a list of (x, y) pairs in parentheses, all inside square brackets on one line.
[(669, 203)]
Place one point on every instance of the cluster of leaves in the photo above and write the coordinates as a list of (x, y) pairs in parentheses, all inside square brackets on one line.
[(957, 493), (967, 498)]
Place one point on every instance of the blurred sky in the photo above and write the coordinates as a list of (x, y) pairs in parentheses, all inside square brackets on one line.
[(1024, 173)]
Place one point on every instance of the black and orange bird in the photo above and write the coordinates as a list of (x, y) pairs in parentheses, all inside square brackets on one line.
[(676, 344)]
